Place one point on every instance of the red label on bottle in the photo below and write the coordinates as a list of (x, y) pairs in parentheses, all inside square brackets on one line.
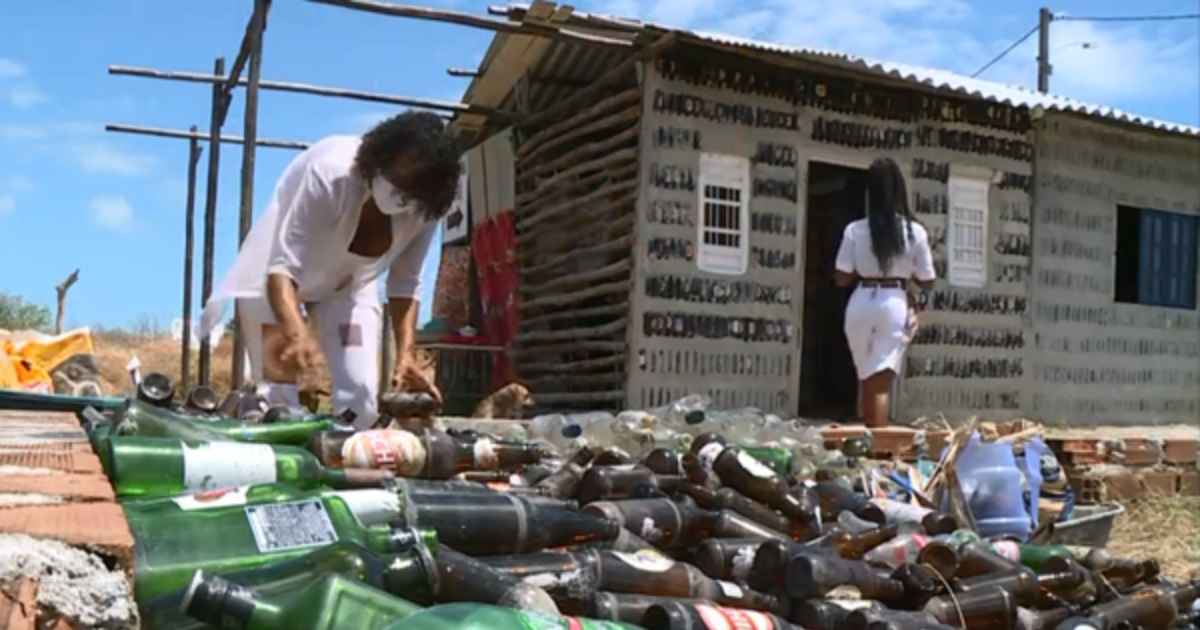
[(210, 495), (717, 618), (573, 624), (381, 449)]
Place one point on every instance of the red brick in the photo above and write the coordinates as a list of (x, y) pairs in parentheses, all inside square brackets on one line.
[(1159, 483), (1121, 486), (66, 485), (1076, 452), (71, 461), (893, 442), (96, 526), (1189, 484), (1140, 452), (1181, 451), (18, 604)]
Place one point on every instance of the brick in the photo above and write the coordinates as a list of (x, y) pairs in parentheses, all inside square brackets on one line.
[(835, 434), (1159, 483), (18, 604), (71, 462), (893, 442), (96, 526), (67, 485), (1076, 452), (1189, 484), (1182, 452), (1121, 486), (1140, 452)]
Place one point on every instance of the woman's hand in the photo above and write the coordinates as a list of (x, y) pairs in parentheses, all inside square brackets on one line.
[(409, 377), (300, 350)]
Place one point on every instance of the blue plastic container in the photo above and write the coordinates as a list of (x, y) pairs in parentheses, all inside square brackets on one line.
[(995, 488)]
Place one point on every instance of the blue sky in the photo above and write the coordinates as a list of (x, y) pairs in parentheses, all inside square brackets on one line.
[(73, 196)]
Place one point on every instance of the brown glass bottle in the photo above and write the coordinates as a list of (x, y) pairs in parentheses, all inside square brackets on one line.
[(855, 546), (684, 616), (769, 569), (990, 608), (493, 524), (814, 576), (734, 501), (1022, 583), (462, 578), (883, 619), (612, 457), (625, 608), (697, 474), (619, 482), (663, 523), (1149, 608), (836, 498), (726, 558), (651, 573), (1028, 619), (432, 455), (565, 575), (920, 582), (823, 614), (664, 461), (403, 405), (743, 473), (562, 484)]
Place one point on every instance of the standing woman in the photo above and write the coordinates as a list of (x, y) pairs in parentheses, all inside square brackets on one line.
[(883, 253)]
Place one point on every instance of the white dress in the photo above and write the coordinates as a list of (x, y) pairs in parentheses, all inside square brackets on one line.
[(876, 317)]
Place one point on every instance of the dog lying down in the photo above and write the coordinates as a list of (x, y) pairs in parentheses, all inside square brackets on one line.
[(508, 402)]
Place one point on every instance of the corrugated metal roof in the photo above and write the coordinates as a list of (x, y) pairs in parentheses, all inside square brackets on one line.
[(932, 77)]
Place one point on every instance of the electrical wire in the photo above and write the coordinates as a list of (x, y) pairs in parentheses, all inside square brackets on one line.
[(1006, 51), (1132, 18)]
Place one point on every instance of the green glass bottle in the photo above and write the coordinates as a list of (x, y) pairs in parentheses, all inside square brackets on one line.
[(483, 617), (139, 418), (330, 603), (777, 459), (248, 527), (1036, 556), (156, 467), (410, 573)]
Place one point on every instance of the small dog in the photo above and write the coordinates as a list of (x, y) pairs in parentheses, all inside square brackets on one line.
[(508, 402)]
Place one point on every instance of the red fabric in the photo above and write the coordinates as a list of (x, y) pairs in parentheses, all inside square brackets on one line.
[(494, 245)]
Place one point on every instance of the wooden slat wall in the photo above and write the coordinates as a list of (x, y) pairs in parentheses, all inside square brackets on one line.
[(577, 184)]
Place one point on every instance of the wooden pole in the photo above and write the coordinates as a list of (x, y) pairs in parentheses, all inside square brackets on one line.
[(219, 105), (189, 247), (318, 90), (204, 135), (250, 133), (61, 290)]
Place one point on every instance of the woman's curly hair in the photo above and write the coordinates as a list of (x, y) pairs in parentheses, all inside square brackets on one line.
[(424, 136)]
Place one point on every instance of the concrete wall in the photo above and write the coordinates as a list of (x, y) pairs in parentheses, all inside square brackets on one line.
[(1096, 360), (991, 343)]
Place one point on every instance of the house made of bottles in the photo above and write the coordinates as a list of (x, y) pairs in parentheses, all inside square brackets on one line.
[(668, 205)]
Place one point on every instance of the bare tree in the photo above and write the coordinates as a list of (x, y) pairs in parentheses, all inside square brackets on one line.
[(62, 289)]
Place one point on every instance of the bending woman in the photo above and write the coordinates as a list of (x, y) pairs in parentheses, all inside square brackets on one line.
[(883, 253)]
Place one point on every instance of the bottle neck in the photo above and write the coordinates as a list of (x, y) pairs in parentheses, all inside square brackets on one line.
[(224, 604)]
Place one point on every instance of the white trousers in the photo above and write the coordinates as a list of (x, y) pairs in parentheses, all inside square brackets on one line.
[(875, 329), (348, 326)]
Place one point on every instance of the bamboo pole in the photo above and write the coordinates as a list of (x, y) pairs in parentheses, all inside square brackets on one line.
[(619, 268), (574, 314), (616, 102), (591, 148), (203, 135), (624, 117), (577, 296), (189, 248), (606, 247), (625, 188)]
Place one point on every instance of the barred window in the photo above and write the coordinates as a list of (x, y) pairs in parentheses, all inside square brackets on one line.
[(724, 190)]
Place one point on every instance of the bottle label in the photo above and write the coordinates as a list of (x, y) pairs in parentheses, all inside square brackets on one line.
[(208, 499), (293, 525), (646, 560), (227, 464), (486, 457), (743, 560), (1008, 550), (398, 450), (650, 531), (731, 590), (372, 506), (753, 466), (709, 453), (717, 618)]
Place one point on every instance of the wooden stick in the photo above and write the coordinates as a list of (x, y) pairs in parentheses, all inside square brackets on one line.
[(622, 118), (603, 162), (540, 197), (621, 308), (619, 268), (254, 28), (611, 378), (622, 244), (578, 346), (189, 248), (61, 290), (617, 103), (593, 218), (572, 366), (618, 229), (593, 148), (204, 135), (622, 286), (582, 332), (612, 189), (617, 395), (216, 119)]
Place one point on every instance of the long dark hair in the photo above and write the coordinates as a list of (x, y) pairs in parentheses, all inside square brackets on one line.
[(424, 136), (887, 207)]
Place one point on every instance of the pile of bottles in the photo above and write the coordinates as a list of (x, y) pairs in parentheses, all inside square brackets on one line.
[(672, 518)]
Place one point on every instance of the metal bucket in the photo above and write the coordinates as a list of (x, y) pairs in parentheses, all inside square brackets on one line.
[(1091, 526)]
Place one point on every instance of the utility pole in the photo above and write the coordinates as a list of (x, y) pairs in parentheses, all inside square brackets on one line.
[(1044, 68)]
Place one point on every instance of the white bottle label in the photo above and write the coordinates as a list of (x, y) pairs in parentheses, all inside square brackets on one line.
[(398, 450), (294, 525), (646, 560), (212, 499), (227, 464), (754, 467), (717, 618), (486, 457), (731, 590), (650, 531), (708, 454), (372, 506), (743, 561)]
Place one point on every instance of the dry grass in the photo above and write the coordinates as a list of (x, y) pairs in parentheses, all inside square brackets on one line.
[(157, 354), (1165, 529)]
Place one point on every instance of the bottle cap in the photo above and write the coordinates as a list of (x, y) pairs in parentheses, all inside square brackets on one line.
[(156, 389)]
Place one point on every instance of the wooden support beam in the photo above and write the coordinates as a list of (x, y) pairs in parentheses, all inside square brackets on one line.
[(617, 228), (611, 310), (254, 29), (602, 163), (319, 90), (603, 331), (579, 346), (61, 292), (572, 366), (618, 102), (574, 380), (622, 286), (623, 244), (629, 136), (540, 196), (620, 119), (618, 188), (619, 268), (462, 72), (217, 118), (189, 248), (204, 135)]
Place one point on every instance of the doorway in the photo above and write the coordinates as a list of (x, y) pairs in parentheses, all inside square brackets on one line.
[(828, 382)]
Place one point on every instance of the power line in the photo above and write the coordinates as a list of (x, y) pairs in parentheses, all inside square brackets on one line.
[(1132, 18), (1006, 51)]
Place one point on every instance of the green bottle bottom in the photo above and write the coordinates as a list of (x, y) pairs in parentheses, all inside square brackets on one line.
[(465, 616)]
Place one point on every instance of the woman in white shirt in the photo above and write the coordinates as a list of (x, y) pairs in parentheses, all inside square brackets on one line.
[(344, 212), (883, 253)]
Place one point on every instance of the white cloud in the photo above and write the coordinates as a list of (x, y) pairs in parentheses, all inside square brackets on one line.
[(10, 69), (111, 212), (26, 96), (7, 204), (104, 159)]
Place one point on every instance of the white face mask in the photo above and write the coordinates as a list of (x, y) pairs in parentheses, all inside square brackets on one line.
[(389, 199)]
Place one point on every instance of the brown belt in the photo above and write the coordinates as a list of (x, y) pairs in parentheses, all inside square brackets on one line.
[(883, 283)]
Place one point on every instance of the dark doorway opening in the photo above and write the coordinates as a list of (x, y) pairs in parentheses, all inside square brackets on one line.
[(828, 382)]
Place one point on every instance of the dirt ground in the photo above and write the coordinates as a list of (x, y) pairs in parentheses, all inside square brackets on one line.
[(1166, 529)]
